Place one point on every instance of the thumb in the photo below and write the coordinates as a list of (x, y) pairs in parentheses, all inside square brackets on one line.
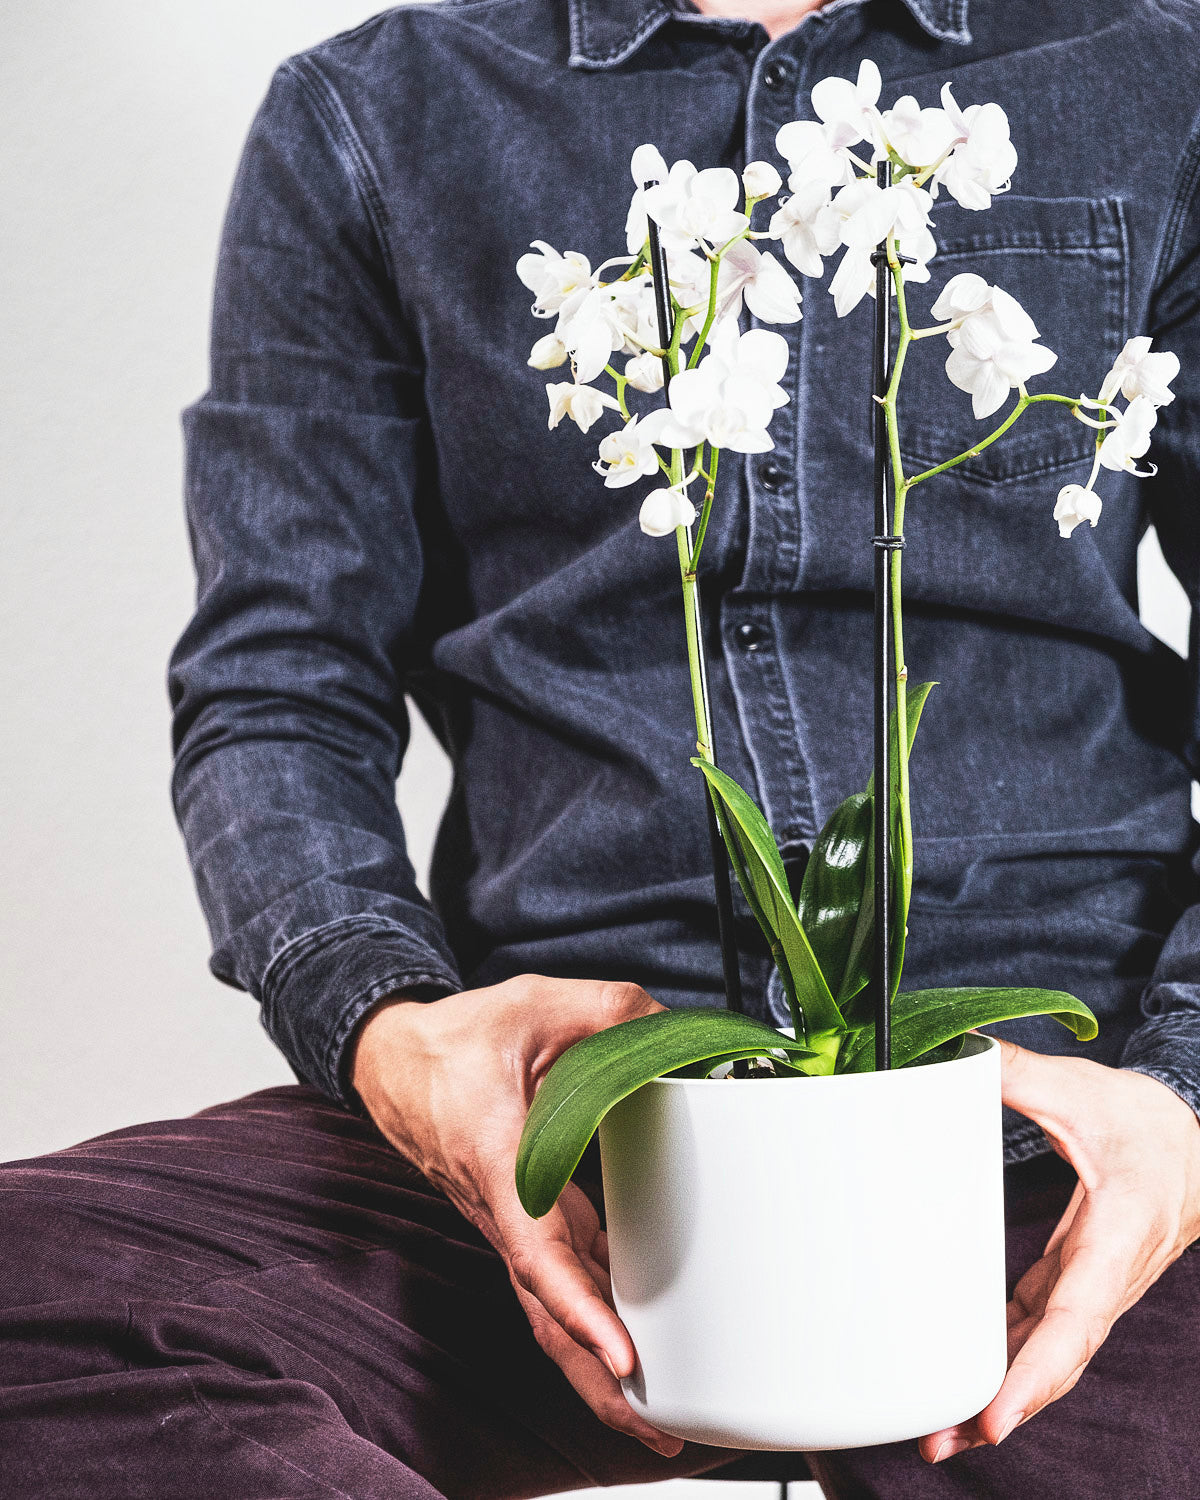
[(1045, 1089)]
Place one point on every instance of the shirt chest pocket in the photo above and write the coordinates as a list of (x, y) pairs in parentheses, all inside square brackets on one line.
[(1064, 261)]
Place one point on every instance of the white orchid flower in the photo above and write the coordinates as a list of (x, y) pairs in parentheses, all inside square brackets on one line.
[(809, 228), (582, 403), (982, 163), (693, 207), (663, 510), (1138, 372), (848, 110), (760, 180), (755, 275), (728, 399), (628, 455), (759, 355), (1076, 504), (962, 295), (728, 413), (1129, 438), (552, 277), (595, 323), (548, 353), (988, 378), (866, 214), (993, 341), (804, 145), (920, 137), (644, 372), (647, 164)]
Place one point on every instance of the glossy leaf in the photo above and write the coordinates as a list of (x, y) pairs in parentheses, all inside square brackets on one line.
[(831, 894), (924, 1019), (594, 1074), (758, 865), (861, 957)]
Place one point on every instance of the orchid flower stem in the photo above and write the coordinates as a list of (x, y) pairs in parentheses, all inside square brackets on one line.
[(705, 510), (900, 487), (895, 559), (621, 381), (714, 270), (1023, 404)]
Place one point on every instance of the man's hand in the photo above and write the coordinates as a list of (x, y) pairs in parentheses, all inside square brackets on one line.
[(449, 1084), (1136, 1147)]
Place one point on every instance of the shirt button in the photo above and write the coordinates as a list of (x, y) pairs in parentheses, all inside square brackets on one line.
[(771, 475), (750, 636), (778, 73)]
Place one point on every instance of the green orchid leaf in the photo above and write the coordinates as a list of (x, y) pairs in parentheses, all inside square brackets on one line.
[(758, 865), (596, 1073), (835, 883), (925, 1019), (947, 1052), (861, 956)]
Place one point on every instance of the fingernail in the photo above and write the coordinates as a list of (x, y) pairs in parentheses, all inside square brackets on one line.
[(612, 1369), (950, 1447), (1014, 1421)]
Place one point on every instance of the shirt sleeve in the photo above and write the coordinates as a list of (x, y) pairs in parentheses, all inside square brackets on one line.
[(1167, 1043), (306, 460)]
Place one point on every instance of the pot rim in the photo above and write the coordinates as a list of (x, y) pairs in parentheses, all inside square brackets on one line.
[(969, 1054)]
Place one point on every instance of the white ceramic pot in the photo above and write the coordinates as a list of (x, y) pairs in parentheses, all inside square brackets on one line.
[(811, 1263)]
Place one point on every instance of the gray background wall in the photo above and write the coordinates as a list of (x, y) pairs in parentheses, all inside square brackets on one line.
[(121, 122)]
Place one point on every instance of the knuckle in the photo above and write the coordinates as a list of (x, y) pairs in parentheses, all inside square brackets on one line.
[(621, 999), (522, 1266)]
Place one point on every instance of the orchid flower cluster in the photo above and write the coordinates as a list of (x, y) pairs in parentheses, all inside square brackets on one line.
[(724, 393), (861, 181)]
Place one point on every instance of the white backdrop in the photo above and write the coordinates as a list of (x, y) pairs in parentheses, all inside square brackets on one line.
[(121, 122)]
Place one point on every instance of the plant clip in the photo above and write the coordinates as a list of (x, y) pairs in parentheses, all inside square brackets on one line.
[(890, 543), (879, 256)]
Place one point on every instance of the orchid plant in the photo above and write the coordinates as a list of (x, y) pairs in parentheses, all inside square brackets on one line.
[(722, 388)]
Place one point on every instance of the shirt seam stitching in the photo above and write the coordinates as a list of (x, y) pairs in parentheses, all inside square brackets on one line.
[(305, 943), (351, 151)]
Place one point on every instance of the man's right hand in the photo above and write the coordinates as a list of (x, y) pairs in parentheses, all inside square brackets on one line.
[(449, 1083)]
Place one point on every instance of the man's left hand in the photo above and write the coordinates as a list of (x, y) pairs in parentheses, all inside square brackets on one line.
[(1136, 1148)]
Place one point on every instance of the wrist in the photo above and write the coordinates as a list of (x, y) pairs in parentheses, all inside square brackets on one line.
[(379, 1036)]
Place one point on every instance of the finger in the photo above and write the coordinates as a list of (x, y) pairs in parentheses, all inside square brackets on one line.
[(939, 1446), (1053, 1091), (543, 1262), (1032, 1292), (1068, 1218), (578, 1008), (594, 1383), (587, 1238), (1101, 1268)]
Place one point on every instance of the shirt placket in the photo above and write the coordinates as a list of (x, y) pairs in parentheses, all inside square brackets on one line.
[(773, 485)]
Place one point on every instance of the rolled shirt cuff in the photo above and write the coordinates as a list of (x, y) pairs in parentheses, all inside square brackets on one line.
[(317, 989), (1167, 1047)]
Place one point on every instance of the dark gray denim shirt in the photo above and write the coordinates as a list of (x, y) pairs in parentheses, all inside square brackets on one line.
[(377, 508)]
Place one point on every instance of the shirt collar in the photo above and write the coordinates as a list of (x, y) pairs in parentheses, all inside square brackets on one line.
[(606, 32)]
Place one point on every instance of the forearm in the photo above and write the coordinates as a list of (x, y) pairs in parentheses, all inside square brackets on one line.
[(302, 871)]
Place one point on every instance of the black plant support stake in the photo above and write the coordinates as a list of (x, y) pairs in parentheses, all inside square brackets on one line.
[(720, 861), (883, 545)]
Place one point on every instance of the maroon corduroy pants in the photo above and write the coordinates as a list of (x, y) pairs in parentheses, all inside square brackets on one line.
[(264, 1300)]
